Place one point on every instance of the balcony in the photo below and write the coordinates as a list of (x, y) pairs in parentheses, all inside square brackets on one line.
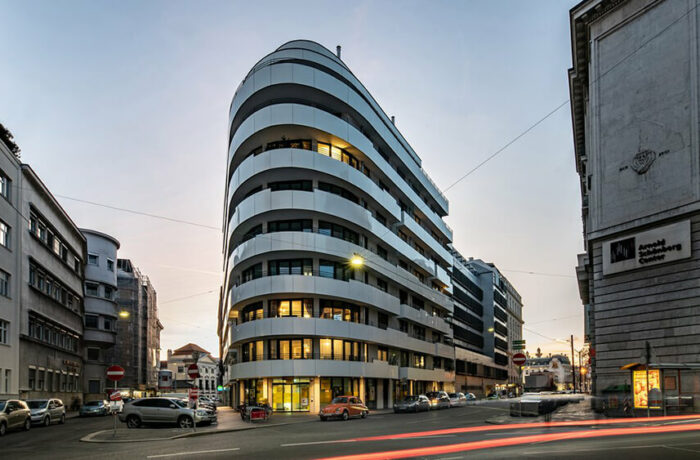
[(423, 318), (430, 375), (99, 337), (313, 368)]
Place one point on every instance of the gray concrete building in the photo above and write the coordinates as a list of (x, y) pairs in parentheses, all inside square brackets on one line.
[(487, 318), (51, 296), (137, 348), (11, 226), (101, 313), (634, 101)]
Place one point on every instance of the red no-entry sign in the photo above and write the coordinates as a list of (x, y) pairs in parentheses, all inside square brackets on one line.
[(193, 371), (115, 396), (115, 373), (519, 359), (193, 393)]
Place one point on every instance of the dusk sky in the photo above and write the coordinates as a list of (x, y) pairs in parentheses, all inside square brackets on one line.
[(126, 104)]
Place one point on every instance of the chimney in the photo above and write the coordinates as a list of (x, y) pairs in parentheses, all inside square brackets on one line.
[(393, 120), (170, 353), (337, 51)]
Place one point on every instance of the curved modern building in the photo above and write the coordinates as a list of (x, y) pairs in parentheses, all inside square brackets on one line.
[(100, 310), (336, 254)]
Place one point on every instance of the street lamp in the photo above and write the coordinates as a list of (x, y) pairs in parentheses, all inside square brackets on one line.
[(124, 314), (357, 261)]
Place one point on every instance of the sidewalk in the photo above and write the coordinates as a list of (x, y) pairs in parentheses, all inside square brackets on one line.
[(570, 412), (228, 421)]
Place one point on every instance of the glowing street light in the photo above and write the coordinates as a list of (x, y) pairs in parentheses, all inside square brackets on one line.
[(490, 329), (357, 261), (124, 314)]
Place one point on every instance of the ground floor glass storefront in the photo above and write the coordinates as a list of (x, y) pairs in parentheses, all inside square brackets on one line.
[(290, 395)]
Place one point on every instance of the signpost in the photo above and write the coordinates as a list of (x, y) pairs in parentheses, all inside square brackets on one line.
[(193, 393), (518, 344), (115, 373)]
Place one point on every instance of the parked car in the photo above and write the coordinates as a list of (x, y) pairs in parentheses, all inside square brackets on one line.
[(98, 407), (14, 414), (344, 407), (457, 399), (412, 404), (438, 400), (470, 396), (161, 410), (46, 411)]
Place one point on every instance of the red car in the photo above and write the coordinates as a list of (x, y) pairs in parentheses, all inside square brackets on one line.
[(344, 407)]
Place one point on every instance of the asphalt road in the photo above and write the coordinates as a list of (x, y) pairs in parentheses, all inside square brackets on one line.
[(318, 439)]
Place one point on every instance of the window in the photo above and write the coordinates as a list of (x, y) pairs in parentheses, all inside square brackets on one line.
[(91, 321), (338, 231), (298, 225), (40, 380), (341, 350), (91, 289), (291, 348), (93, 259), (107, 324), (4, 284), (93, 354), (334, 189), (4, 234), (110, 265), (403, 326), (381, 284), (252, 233), (304, 144), (382, 320), (93, 386), (419, 361), (337, 154), (290, 267), (336, 270), (31, 379), (252, 273), (303, 185), (252, 312), (382, 252), (4, 186), (4, 332), (109, 292), (339, 311), (298, 307)]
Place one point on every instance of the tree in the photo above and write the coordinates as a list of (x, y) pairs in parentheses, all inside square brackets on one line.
[(7, 137)]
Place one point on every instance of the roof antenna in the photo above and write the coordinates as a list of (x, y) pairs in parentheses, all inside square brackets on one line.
[(337, 51), (393, 120)]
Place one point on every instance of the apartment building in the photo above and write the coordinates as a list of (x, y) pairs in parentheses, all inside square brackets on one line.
[(180, 359), (336, 257)]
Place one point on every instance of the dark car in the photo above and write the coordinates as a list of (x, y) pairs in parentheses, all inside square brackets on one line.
[(14, 414), (412, 404), (438, 400)]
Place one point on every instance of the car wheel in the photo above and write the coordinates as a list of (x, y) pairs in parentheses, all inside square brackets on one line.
[(27, 424), (345, 415), (133, 421), (3, 429), (184, 422), (323, 419), (47, 421), (364, 414), (62, 420)]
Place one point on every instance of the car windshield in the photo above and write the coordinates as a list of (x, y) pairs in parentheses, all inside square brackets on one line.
[(454, 395), (181, 402), (411, 398), (339, 401), (433, 394), (2, 405), (93, 403), (37, 403)]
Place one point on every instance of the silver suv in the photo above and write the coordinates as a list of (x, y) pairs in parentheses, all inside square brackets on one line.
[(47, 411), (160, 410)]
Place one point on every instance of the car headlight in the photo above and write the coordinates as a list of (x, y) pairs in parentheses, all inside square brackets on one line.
[(201, 412), (338, 410)]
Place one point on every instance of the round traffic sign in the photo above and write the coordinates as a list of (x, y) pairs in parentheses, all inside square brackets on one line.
[(115, 396), (193, 371), (115, 373), (519, 359)]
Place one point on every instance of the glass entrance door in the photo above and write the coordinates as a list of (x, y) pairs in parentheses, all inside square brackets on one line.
[(290, 395)]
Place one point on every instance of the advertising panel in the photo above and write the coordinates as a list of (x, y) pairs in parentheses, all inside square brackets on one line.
[(644, 396), (652, 247)]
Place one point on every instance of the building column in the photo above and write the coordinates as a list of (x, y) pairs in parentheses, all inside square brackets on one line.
[(380, 393), (315, 396), (391, 394), (362, 389), (268, 390)]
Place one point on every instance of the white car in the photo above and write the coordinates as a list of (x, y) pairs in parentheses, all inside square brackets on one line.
[(47, 411), (457, 399)]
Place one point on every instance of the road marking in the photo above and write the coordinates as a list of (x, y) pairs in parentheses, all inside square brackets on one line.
[(568, 451), (311, 443), (680, 448), (179, 454)]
